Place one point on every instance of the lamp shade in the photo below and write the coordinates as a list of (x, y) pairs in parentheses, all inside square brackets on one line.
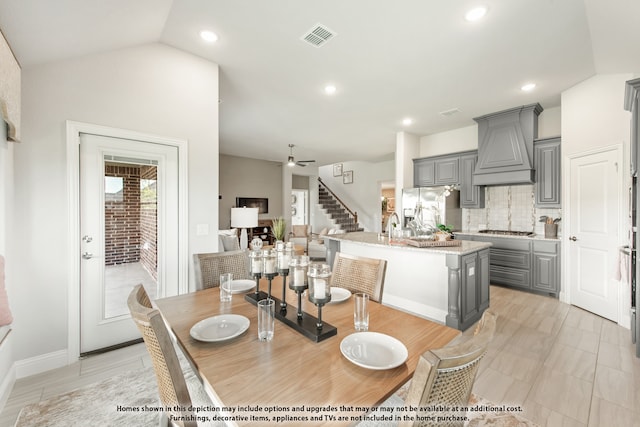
[(244, 217)]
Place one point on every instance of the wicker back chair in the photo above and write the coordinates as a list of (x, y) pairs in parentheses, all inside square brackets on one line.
[(171, 382), (445, 376), (209, 267), (359, 274)]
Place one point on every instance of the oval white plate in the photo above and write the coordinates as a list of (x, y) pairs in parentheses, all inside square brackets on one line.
[(339, 294), (239, 286), (373, 350), (219, 328)]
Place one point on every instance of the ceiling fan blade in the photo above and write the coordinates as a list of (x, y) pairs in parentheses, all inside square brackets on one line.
[(301, 164), (306, 161)]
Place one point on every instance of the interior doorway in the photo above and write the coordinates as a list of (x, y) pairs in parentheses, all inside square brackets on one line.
[(387, 202), (594, 211)]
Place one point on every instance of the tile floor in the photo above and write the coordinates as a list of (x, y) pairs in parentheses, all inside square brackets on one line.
[(565, 366)]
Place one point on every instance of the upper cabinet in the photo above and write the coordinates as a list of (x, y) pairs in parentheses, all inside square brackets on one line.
[(447, 171), (471, 196), (453, 169), (424, 174), (546, 155)]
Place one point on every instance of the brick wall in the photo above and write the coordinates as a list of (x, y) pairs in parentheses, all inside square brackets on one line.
[(122, 217), (149, 221)]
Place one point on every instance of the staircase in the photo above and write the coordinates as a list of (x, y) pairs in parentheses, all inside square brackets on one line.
[(342, 216)]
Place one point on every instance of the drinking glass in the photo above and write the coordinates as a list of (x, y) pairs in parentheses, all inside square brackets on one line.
[(266, 319), (361, 312), (225, 287)]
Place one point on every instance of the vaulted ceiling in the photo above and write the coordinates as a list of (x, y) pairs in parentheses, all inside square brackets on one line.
[(387, 60)]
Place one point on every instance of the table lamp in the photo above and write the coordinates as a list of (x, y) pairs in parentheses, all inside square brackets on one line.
[(244, 218)]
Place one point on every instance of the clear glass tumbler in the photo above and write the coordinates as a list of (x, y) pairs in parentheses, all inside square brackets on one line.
[(225, 287), (266, 319), (361, 312)]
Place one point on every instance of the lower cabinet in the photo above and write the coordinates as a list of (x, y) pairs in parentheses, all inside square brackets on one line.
[(522, 263), (546, 263), (474, 287)]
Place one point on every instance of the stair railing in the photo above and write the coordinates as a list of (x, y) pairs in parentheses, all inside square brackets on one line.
[(354, 214)]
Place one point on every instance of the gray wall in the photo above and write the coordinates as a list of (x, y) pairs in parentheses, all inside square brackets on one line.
[(245, 177)]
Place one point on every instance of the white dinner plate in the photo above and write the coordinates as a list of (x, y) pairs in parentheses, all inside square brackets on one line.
[(239, 286), (339, 294), (219, 328), (373, 350)]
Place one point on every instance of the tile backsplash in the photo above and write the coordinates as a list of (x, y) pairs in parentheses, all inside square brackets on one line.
[(508, 208)]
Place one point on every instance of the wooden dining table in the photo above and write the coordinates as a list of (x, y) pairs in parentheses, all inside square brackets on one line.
[(293, 377)]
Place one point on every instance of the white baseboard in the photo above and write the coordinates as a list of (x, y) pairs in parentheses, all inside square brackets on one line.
[(42, 363)]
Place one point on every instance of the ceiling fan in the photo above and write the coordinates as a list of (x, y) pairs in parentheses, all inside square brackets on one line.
[(291, 162)]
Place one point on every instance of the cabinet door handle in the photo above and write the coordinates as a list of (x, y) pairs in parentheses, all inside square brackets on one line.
[(573, 238)]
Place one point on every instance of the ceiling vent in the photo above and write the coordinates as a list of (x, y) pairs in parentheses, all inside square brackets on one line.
[(318, 35), (450, 112)]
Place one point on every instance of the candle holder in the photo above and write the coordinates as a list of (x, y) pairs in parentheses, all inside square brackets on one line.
[(256, 268), (319, 287), (282, 264), (298, 267), (269, 267)]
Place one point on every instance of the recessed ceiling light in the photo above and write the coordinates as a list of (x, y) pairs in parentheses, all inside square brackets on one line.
[(407, 121), (528, 87), (476, 14), (208, 36), (330, 89)]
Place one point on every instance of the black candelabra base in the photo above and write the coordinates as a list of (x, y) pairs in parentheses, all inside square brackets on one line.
[(306, 325)]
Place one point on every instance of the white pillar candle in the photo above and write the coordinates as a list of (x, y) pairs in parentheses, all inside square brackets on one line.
[(269, 265), (320, 289), (256, 267), (298, 277)]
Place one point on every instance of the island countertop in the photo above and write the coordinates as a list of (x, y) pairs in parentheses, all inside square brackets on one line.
[(375, 239), (449, 284)]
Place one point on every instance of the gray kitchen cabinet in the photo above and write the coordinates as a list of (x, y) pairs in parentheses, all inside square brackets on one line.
[(546, 266), (471, 196), (424, 174), (470, 271), (522, 263), (469, 295), (547, 163), (431, 171), (446, 170), (454, 169)]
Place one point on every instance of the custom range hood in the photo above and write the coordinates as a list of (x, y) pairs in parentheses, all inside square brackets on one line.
[(505, 146)]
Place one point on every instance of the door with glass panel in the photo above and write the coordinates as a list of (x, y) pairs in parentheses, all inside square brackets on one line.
[(129, 232)]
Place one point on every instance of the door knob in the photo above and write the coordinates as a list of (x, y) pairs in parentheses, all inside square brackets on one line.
[(573, 238), (87, 255)]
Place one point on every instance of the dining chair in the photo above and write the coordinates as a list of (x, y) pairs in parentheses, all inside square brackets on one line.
[(445, 376), (359, 274), (174, 390), (209, 266)]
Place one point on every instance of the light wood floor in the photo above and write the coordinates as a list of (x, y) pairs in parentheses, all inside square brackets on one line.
[(565, 366)]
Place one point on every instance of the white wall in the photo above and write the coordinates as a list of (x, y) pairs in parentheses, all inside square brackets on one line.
[(151, 88), (363, 196), (466, 138), (7, 374), (593, 117)]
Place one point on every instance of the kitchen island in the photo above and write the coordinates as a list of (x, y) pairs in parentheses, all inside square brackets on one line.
[(449, 284)]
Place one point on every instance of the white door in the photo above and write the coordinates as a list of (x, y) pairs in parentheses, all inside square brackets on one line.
[(299, 213), (594, 231), (129, 229)]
